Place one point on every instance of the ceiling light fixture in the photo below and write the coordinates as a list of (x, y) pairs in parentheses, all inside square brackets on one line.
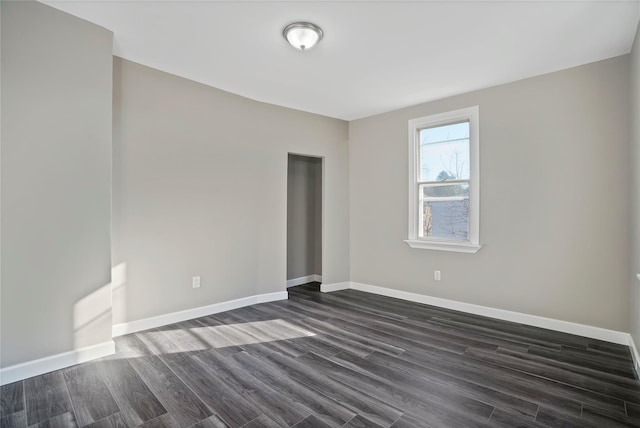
[(302, 35)]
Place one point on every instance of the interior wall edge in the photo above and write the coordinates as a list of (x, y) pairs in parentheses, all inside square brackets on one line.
[(56, 132), (634, 109)]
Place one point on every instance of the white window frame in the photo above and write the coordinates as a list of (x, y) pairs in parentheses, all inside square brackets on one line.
[(472, 245)]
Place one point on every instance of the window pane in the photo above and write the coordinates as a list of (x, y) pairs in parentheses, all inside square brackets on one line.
[(444, 190), (445, 219), (444, 152)]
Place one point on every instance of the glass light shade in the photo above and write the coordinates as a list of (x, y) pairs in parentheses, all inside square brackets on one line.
[(302, 35)]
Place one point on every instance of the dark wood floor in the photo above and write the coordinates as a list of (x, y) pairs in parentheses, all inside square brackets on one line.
[(342, 359)]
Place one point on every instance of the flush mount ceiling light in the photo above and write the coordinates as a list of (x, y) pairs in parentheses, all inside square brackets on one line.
[(302, 35)]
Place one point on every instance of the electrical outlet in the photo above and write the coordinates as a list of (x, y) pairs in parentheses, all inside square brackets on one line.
[(436, 275), (195, 282)]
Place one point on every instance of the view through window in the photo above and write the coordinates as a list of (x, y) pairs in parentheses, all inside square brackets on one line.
[(444, 181)]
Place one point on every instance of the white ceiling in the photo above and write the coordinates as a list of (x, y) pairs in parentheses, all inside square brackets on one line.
[(374, 57)]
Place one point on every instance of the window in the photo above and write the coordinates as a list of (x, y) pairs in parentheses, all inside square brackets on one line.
[(444, 191)]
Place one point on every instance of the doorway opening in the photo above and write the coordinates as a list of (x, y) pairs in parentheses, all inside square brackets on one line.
[(304, 219)]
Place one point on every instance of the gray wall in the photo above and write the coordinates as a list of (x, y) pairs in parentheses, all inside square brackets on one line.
[(554, 203), (200, 188), (304, 217), (56, 173), (635, 195)]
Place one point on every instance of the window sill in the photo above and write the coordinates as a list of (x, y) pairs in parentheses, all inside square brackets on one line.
[(444, 246)]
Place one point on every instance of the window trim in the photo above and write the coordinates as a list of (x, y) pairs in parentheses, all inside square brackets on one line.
[(472, 245)]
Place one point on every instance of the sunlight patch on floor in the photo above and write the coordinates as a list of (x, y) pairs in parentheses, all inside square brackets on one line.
[(221, 336)]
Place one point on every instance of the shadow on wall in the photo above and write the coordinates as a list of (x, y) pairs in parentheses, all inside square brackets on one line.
[(92, 315)]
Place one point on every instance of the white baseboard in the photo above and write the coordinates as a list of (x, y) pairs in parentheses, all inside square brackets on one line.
[(304, 280), (328, 288), (55, 362), (613, 336), (173, 317), (271, 297)]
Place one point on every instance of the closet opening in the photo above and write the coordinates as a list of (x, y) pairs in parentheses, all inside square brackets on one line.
[(304, 219)]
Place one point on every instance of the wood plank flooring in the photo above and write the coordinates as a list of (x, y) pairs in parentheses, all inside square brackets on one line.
[(344, 359)]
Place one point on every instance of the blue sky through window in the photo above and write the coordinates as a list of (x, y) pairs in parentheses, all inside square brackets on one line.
[(444, 148)]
